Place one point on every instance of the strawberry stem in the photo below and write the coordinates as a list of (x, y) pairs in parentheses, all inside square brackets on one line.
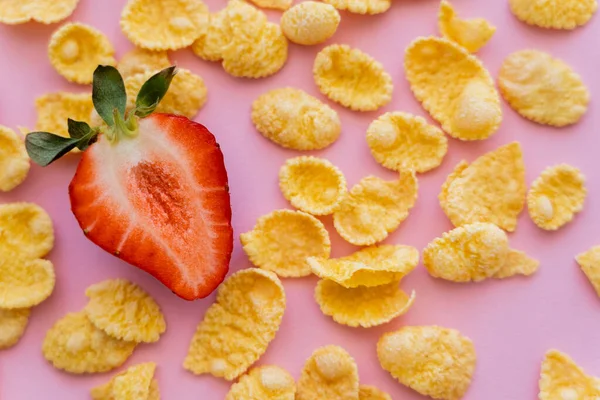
[(123, 128)]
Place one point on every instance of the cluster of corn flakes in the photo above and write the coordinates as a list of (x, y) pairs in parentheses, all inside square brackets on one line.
[(310, 22), (561, 378), (140, 61), (14, 161), (472, 34), (15, 12), (136, 383)]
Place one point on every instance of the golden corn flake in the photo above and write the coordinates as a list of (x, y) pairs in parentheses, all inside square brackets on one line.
[(283, 239), (75, 345), (589, 261), (140, 61), (469, 106), (556, 14), (472, 34), (362, 306), (542, 88), (53, 110), (367, 392), (401, 141), (14, 161), (274, 4), (239, 326), (76, 49), (132, 384), (370, 266), (443, 196), (313, 185), (491, 189), (434, 361), (164, 24), (210, 44), (12, 326), (25, 282), (517, 263), (470, 253), (310, 22), (561, 378), (296, 120), (329, 373), (14, 12), (361, 6), (124, 311), (556, 196), (25, 229), (374, 208), (268, 382)]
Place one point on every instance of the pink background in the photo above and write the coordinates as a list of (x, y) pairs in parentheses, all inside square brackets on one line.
[(512, 322)]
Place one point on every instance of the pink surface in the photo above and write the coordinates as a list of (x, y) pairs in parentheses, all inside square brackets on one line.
[(512, 322)]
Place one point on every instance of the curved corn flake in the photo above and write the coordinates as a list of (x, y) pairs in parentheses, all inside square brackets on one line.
[(154, 390), (310, 22), (370, 266), (469, 106), (268, 382), (561, 378), (25, 282), (186, 96), (25, 229), (124, 311), (14, 161), (75, 345), (76, 49), (12, 326), (470, 253), (140, 61), (313, 185), (491, 189), (374, 208), (589, 261), (132, 384), (54, 109), (361, 6), (210, 44), (273, 4), (296, 120), (352, 78), (362, 306), (556, 196), (14, 12), (472, 34), (367, 392), (164, 24), (329, 373), (542, 88), (517, 263), (401, 141), (239, 326), (434, 361), (456, 172), (283, 239), (556, 14)]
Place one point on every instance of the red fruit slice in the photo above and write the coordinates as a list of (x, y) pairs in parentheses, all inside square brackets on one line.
[(159, 201)]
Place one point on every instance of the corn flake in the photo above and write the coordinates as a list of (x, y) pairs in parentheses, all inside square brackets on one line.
[(283, 239), (132, 384), (25, 229), (268, 382), (14, 12), (75, 345), (361, 6), (14, 161), (542, 88), (556, 196), (556, 14), (54, 109), (310, 22), (296, 120), (273, 4), (374, 208), (313, 185), (561, 378), (76, 49), (124, 311), (141, 61), (12, 326), (589, 261), (367, 392), (209, 45), (164, 24), (329, 373), (469, 106), (517, 263), (443, 196), (472, 34), (401, 141), (25, 282), (434, 361), (370, 266), (239, 326)]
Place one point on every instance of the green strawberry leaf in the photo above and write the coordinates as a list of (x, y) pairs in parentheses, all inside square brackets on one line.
[(78, 129), (108, 92), (44, 148), (153, 91)]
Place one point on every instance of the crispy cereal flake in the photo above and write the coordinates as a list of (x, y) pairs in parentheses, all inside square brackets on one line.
[(434, 361), (517, 263), (367, 392), (268, 382), (562, 379), (274, 4), (443, 196), (25, 229), (124, 311), (310, 22), (469, 106), (140, 61), (53, 110), (132, 384), (283, 239), (556, 14), (556, 196), (14, 12), (25, 282), (401, 141), (589, 261), (361, 6), (210, 44), (472, 34), (76, 49), (542, 88), (370, 266), (352, 78), (14, 161), (12, 326), (374, 208), (75, 345), (239, 326), (296, 120), (329, 373)]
